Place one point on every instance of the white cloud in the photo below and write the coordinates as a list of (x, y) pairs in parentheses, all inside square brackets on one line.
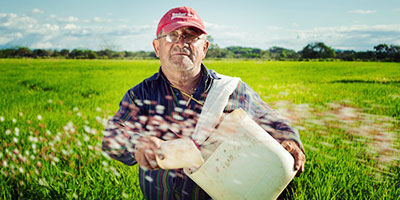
[(70, 32), (37, 11), (42, 45), (356, 37), (360, 11), (69, 19), (217, 27), (70, 27), (273, 28), (101, 20)]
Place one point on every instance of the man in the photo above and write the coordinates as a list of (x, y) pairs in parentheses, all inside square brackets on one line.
[(165, 106)]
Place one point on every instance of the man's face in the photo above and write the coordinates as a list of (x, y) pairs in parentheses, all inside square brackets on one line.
[(181, 55)]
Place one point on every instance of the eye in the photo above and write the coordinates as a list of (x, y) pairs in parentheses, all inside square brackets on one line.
[(189, 36), (173, 35)]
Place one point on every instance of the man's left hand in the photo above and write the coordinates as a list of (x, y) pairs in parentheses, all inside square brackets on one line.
[(299, 158)]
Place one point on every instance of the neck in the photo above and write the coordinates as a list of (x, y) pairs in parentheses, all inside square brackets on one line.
[(184, 80)]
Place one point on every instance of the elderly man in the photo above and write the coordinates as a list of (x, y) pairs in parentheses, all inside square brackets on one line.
[(150, 111)]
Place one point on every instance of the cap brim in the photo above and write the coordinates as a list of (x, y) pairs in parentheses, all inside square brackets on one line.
[(173, 26)]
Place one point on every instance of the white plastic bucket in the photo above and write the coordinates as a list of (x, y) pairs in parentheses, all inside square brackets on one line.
[(243, 162)]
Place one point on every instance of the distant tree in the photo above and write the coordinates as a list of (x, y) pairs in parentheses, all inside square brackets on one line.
[(92, 55), (365, 55), (55, 53), (245, 52), (7, 53), (214, 51), (23, 52), (385, 52), (41, 53), (382, 52), (347, 55), (64, 53), (317, 50), (280, 53), (76, 54), (106, 53), (394, 53)]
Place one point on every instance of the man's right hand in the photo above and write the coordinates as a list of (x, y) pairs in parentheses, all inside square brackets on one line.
[(145, 152)]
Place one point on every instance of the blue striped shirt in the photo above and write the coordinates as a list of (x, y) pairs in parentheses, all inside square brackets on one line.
[(153, 102)]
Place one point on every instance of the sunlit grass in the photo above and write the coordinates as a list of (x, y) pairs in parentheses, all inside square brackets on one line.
[(52, 114)]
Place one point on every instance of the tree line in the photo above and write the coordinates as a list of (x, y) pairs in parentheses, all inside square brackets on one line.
[(312, 51), (25, 52)]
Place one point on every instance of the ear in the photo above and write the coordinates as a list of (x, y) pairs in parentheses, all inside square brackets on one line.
[(205, 48), (156, 46)]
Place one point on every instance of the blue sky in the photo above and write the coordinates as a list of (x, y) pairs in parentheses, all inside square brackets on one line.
[(130, 24)]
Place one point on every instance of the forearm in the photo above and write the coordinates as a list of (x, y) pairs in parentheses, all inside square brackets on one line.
[(279, 128), (118, 142)]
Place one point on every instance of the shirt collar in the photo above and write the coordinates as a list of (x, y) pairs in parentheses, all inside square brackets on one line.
[(208, 73)]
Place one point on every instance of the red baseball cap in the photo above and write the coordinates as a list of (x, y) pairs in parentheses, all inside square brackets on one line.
[(179, 17)]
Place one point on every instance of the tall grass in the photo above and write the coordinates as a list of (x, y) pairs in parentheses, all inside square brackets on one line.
[(52, 114)]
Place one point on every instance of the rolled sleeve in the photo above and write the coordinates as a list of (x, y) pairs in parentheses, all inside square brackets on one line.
[(121, 131)]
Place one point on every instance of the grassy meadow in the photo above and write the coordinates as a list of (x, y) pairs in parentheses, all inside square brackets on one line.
[(52, 113)]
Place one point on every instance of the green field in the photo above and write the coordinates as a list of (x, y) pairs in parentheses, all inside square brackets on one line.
[(52, 114)]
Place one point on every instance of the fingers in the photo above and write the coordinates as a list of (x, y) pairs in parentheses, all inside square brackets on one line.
[(145, 152), (299, 158)]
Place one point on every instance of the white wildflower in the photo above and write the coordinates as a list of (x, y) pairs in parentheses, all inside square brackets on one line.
[(148, 178), (177, 109), (16, 131), (15, 140), (106, 133), (64, 152), (75, 109), (86, 138), (98, 109), (87, 129), (8, 132), (147, 102), (50, 101), (39, 117), (1, 118), (14, 120), (43, 182), (57, 138), (21, 170), (117, 174)]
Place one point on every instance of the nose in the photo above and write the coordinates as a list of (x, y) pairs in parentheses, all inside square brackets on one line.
[(181, 41)]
